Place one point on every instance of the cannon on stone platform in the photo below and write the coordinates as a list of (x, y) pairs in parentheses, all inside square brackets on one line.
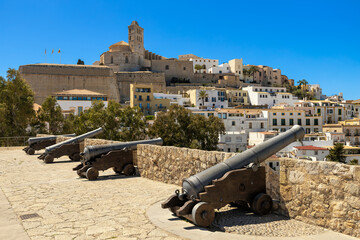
[(119, 156), (38, 143), (238, 180), (70, 147)]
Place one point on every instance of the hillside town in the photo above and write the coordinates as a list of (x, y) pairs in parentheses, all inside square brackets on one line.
[(255, 102)]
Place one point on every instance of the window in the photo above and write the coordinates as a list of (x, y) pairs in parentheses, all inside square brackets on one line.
[(233, 123), (166, 67), (112, 59), (250, 125), (219, 115), (126, 59), (282, 114), (135, 96), (80, 109), (339, 111), (184, 68), (261, 125), (307, 121), (238, 139), (291, 114), (140, 105), (147, 98), (148, 105), (275, 122), (274, 114), (224, 116), (140, 98), (283, 122), (316, 152), (291, 122), (213, 99), (316, 121), (227, 139), (299, 122)]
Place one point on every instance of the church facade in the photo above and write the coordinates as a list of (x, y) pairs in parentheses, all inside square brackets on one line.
[(131, 56)]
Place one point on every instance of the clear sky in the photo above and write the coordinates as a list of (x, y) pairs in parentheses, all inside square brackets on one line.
[(314, 40)]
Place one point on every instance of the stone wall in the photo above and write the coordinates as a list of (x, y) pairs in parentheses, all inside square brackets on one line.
[(173, 164), (46, 79), (320, 193)]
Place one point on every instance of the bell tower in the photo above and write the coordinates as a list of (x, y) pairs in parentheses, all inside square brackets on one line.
[(136, 38)]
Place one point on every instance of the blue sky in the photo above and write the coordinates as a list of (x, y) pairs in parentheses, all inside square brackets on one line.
[(314, 40)]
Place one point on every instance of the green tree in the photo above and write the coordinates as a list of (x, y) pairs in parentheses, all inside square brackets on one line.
[(51, 113), (198, 67), (337, 153), (252, 70), (354, 162), (16, 105), (91, 119), (203, 95), (179, 127), (132, 124), (80, 62), (303, 86)]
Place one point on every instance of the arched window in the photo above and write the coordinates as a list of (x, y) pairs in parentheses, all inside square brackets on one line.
[(126, 59), (112, 59), (166, 67)]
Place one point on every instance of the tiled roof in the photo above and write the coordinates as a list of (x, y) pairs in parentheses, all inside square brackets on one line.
[(310, 148), (78, 92)]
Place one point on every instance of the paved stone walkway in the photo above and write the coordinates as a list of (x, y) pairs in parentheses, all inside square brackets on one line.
[(59, 205), (73, 208)]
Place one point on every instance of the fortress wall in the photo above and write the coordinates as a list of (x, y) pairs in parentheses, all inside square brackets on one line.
[(45, 79)]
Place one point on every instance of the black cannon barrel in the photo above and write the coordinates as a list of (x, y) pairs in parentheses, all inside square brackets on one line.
[(195, 184), (75, 139), (51, 137), (95, 151)]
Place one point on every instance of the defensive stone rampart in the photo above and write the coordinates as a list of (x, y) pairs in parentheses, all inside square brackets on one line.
[(320, 193)]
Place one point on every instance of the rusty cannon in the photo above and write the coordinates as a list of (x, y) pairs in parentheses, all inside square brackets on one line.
[(38, 143), (70, 147), (238, 180), (119, 156)]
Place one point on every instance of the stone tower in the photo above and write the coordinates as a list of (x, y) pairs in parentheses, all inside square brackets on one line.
[(136, 41)]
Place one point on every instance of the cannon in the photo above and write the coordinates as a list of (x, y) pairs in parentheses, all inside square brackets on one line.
[(70, 147), (38, 143), (119, 156), (238, 180)]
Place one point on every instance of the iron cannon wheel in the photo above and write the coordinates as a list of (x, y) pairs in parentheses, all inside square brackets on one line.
[(262, 204), (30, 151), (92, 173), (129, 169), (203, 214), (49, 159), (116, 170)]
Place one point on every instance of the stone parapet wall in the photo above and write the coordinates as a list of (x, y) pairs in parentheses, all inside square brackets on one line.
[(173, 164), (321, 193)]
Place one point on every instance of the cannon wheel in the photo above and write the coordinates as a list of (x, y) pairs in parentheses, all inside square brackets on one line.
[(30, 151), (81, 170), (116, 170), (203, 214), (49, 159), (262, 204), (129, 169), (92, 173)]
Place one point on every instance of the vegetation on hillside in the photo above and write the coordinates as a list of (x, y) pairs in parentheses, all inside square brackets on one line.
[(337, 153)]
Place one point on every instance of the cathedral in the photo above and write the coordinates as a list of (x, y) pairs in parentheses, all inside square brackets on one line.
[(131, 56)]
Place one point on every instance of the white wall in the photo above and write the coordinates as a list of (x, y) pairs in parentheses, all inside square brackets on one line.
[(207, 62), (67, 105)]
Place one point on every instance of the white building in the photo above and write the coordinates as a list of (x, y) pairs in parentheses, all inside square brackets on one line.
[(76, 101), (311, 152), (270, 96), (215, 98), (232, 141), (223, 68), (256, 138), (206, 63), (175, 98)]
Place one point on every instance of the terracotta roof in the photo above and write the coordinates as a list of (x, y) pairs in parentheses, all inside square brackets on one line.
[(80, 92), (121, 43), (310, 148)]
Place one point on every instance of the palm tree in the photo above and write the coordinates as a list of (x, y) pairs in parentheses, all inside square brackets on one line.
[(203, 95), (304, 83), (252, 70)]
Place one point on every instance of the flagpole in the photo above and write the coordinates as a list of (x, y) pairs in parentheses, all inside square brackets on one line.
[(45, 55)]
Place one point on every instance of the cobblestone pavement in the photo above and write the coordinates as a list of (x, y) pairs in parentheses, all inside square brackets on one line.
[(245, 222), (113, 207), (73, 208)]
